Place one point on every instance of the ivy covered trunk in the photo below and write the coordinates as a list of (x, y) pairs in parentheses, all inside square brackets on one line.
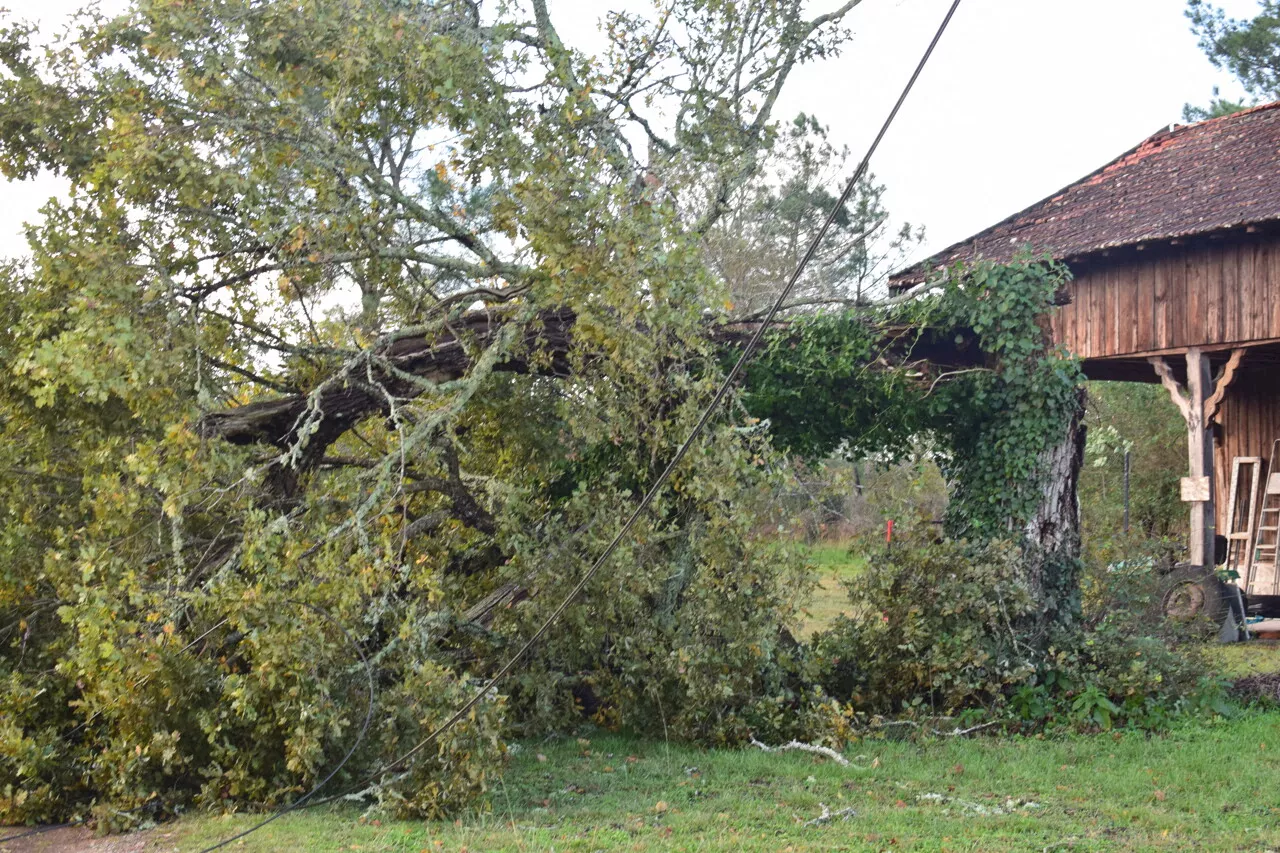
[(1053, 532)]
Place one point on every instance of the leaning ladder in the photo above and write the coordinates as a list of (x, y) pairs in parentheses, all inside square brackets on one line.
[(1242, 511), (1262, 577)]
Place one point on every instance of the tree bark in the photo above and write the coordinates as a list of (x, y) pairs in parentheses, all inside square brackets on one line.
[(362, 389), (1053, 533)]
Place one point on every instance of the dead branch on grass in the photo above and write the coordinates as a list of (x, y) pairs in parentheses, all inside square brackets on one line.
[(827, 815), (804, 747)]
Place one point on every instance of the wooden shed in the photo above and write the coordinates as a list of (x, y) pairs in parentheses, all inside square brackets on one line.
[(1175, 249)]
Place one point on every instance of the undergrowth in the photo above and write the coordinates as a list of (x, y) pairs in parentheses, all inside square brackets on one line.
[(947, 630)]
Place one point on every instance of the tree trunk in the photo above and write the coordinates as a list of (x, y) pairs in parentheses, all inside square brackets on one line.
[(362, 389), (1053, 533)]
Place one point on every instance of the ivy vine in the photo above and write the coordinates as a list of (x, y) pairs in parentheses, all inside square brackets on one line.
[(860, 383)]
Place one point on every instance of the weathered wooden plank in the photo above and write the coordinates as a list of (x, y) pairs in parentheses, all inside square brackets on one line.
[(1106, 309), (1144, 306), (1077, 314), (1071, 333), (1265, 266), (1088, 292), (1207, 281), (1139, 329), (1227, 285), (1116, 308), (1250, 325), (1259, 324), (1121, 313), (1161, 336), (1098, 299)]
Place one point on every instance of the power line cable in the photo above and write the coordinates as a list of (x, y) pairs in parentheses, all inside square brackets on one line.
[(721, 393)]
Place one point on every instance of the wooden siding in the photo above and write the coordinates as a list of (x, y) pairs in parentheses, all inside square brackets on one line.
[(1249, 421), (1206, 294)]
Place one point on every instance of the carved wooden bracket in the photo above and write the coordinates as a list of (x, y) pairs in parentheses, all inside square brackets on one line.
[(1221, 383), (1179, 394), (1176, 391)]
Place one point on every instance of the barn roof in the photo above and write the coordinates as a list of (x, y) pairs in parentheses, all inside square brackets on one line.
[(1183, 181)]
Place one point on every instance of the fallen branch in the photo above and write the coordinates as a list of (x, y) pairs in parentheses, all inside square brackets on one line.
[(804, 747), (959, 732), (1010, 806), (827, 816), (411, 360), (956, 732), (1066, 842)]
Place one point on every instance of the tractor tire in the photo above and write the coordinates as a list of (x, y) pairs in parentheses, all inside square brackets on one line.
[(1190, 593)]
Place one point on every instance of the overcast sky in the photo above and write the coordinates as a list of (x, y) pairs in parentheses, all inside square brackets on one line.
[(1021, 98)]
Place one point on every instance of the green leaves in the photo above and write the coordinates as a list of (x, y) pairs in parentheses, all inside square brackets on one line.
[(1249, 49), (266, 199), (853, 383)]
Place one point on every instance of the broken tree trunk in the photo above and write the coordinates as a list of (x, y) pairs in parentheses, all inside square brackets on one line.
[(402, 368), (365, 385)]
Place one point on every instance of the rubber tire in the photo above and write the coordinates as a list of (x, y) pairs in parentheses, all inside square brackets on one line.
[(1191, 592)]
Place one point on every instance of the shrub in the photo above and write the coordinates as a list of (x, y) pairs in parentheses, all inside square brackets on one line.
[(139, 718), (1128, 666), (1123, 580), (935, 629), (944, 629)]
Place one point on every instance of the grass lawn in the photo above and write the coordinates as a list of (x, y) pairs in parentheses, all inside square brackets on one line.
[(1197, 788), (833, 564), (1235, 660)]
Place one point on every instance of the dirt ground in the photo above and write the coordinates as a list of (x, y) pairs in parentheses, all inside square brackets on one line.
[(77, 839)]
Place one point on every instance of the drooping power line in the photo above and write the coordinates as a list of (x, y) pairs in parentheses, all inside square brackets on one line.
[(655, 489)]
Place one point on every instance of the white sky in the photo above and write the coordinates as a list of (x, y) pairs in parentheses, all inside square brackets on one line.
[(1021, 98)]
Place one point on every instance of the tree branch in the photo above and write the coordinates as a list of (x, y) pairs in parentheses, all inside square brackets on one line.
[(408, 362)]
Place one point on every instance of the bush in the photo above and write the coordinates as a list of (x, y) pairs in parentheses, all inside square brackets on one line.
[(137, 718), (1149, 668), (1129, 666), (935, 629), (1124, 579), (944, 629)]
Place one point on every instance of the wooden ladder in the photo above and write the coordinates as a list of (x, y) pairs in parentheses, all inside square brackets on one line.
[(1242, 511), (1262, 577)]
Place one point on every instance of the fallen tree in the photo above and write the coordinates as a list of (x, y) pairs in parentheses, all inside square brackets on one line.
[(410, 364), (226, 473)]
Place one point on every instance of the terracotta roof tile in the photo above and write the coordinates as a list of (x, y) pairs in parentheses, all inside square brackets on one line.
[(1187, 180)]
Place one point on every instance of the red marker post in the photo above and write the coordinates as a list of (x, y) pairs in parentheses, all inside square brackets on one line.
[(888, 533)]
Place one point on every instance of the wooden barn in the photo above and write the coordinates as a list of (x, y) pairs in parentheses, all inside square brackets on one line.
[(1175, 249)]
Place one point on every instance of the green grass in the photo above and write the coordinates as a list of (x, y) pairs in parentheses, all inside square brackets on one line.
[(1238, 659), (833, 564), (1182, 791), (835, 559)]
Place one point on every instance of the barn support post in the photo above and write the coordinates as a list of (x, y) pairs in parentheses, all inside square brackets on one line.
[(1199, 402), (1200, 452)]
